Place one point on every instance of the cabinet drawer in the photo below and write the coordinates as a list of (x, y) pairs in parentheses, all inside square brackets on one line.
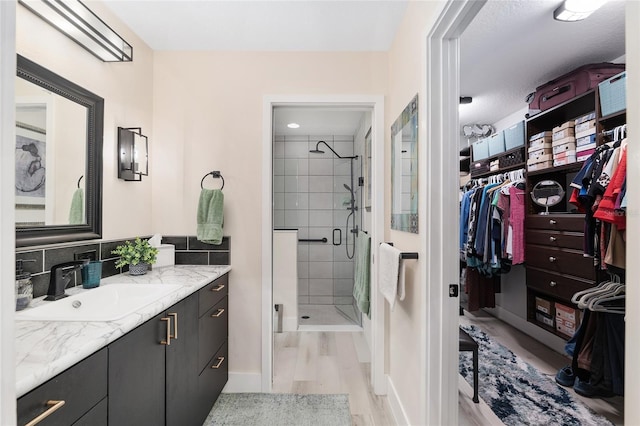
[(213, 330), (562, 261), (81, 387), (556, 222), (554, 284), (96, 417), (212, 380), (557, 239), (212, 293)]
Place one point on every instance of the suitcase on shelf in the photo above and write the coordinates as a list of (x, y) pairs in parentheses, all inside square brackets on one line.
[(570, 85)]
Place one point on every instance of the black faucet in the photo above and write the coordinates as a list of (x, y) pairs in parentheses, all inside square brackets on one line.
[(60, 277)]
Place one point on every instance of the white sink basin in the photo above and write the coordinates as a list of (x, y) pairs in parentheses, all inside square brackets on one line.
[(105, 303)]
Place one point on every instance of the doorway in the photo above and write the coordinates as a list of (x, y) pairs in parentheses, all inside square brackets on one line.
[(336, 155)]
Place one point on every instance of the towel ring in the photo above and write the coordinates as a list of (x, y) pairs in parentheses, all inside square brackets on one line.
[(79, 181), (215, 174)]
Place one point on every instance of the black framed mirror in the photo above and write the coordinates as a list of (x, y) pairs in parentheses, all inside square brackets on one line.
[(59, 132)]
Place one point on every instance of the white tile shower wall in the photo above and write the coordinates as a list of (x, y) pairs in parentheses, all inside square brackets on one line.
[(309, 195)]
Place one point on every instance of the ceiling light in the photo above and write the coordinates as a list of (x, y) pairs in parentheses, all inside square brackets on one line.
[(76, 21), (576, 10), (293, 125)]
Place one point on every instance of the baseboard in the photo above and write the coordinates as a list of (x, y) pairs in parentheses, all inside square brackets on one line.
[(397, 410), (551, 340), (243, 382)]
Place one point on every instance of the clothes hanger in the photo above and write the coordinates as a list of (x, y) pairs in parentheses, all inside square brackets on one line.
[(608, 297), (607, 290)]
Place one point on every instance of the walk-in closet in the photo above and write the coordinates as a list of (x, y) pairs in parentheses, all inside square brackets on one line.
[(542, 215)]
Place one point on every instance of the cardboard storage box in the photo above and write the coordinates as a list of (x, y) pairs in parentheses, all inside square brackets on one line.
[(586, 140), (584, 118), (585, 131), (568, 139), (583, 155), (564, 154), (539, 144), (544, 319), (543, 305), (564, 133), (564, 161), (542, 135), (567, 313), (539, 166), (540, 159), (569, 146), (565, 327), (536, 153), (566, 125)]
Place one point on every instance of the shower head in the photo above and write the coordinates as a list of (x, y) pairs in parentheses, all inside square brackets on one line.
[(348, 188), (318, 150)]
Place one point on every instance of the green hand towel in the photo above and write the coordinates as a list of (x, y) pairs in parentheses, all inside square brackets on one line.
[(76, 212), (362, 273), (210, 216)]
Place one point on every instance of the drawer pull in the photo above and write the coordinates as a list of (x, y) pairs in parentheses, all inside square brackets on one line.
[(218, 288), (167, 341), (553, 283), (552, 259), (53, 406), (552, 239), (220, 361), (552, 222), (175, 324), (217, 314)]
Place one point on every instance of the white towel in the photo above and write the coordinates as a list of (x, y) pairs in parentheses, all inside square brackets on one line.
[(391, 274)]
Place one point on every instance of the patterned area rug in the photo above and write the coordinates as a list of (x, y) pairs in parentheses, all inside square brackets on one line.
[(517, 392), (271, 409)]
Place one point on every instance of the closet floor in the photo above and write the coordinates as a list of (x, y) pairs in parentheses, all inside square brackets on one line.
[(546, 360)]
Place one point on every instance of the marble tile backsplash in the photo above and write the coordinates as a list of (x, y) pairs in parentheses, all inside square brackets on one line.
[(189, 251)]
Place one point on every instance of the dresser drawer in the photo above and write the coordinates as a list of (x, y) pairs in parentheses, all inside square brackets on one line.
[(557, 239), (81, 387), (212, 293), (213, 330), (554, 284), (556, 222), (559, 260)]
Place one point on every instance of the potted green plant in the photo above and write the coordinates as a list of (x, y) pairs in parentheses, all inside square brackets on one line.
[(138, 255)]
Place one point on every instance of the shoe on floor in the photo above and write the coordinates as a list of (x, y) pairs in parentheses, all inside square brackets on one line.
[(565, 376), (585, 388)]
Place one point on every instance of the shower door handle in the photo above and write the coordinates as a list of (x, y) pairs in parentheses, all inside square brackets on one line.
[(339, 236)]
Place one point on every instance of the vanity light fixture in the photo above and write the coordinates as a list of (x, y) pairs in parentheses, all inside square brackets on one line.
[(133, 154), (576, 10), (76, 21), (293, 125)]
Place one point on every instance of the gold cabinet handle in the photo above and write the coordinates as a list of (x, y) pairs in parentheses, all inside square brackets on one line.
[(552, 239), (175, 324), (552, 222), (53, 406), (167, 341), (220, 361), (218, 287), (217, 314), (553, 283), (552, 259)]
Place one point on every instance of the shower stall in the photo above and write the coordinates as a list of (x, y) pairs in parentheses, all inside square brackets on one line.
[(316, 191)]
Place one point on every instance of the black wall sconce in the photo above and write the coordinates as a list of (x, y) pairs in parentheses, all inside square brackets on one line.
[(76, 21), (133, 154)]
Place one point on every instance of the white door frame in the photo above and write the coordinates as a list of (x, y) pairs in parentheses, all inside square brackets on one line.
[(441, 158), (375, 102), (7, 210)]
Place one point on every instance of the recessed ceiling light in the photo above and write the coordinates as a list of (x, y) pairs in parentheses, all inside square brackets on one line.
[(576, 10), (293, 125)]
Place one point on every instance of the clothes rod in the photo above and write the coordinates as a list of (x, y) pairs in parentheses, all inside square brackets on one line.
[(317, 240)]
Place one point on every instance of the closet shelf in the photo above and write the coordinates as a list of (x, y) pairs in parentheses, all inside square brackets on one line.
[(501, 170), (615, 115), (559, 169)]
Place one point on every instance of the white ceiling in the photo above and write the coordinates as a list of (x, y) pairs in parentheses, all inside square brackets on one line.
[(318, 121), (509, 49), (293, 25), (513, 46)]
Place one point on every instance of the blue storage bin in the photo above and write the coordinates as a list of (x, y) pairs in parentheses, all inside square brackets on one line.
[(613, 94), (496, 144), (514, 136), (480, 149)]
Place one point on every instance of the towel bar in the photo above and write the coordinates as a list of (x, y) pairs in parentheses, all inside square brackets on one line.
[(406, 254), (215, 174), (316, 240)]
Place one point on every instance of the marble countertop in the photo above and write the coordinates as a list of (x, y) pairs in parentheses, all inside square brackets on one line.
[(47, 348)]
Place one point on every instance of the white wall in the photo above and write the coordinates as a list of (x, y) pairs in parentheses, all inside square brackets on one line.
[(208, 116), (285, 277), (405, 322), (128, 93)]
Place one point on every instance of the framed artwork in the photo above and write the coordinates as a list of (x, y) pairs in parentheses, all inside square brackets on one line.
[(367, 170)]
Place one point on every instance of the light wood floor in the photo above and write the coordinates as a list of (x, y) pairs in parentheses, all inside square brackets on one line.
[(317, 362)]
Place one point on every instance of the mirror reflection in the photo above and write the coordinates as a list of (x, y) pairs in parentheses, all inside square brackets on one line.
[(404, 170), (51, 151)]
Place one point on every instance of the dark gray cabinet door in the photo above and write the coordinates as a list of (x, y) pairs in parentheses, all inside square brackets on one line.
[(137, 375), (182, 364)]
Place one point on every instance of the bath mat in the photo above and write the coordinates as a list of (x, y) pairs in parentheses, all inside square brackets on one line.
[(271, 409), (517, 392)]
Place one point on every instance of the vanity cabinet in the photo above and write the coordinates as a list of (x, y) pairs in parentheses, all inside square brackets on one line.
[(80, 393)]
